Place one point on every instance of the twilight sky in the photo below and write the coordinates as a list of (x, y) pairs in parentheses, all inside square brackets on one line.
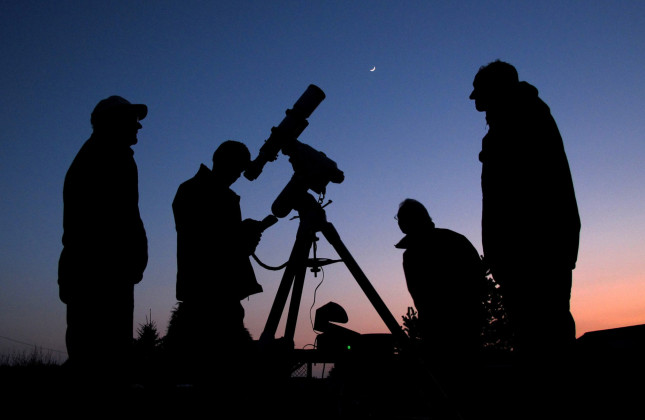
[(211, 71)]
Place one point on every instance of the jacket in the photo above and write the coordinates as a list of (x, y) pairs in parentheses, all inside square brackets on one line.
[(212, 259), (105, 246), (529, 208)]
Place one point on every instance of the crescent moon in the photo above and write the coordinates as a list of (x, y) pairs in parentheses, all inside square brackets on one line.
[(374, 68)]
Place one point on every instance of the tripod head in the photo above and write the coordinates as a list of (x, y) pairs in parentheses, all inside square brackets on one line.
[(313, 170)]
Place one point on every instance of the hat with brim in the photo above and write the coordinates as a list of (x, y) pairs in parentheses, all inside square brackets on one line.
[(115, 104)]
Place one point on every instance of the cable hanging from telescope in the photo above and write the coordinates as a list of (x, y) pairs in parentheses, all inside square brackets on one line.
[(314, 302), (267, 267)]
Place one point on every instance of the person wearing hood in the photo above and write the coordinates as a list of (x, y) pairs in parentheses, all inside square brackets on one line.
[(530, 220), (530, 235), (105, 247)]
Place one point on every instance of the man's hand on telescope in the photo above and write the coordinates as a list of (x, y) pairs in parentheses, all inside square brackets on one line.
[(251, 232)]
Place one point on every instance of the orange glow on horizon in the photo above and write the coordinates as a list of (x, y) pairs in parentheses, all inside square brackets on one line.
[(608, 302)]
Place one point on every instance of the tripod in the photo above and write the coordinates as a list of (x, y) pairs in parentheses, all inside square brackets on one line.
[(312, 220)]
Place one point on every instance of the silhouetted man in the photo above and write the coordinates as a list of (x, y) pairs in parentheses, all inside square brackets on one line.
[(446, 280), (530, 221), (214, 272), (105, 248)]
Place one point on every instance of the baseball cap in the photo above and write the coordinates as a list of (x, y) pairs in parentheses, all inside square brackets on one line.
[(115, 103)]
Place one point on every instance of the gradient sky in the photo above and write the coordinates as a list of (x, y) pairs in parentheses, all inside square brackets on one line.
[(211, 71)]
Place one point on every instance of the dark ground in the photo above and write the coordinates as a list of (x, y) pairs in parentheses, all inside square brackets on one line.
[(600, 385)]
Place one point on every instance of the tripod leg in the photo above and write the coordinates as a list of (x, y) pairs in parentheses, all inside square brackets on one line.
[(296, 296), (332, 236), (296, 266)]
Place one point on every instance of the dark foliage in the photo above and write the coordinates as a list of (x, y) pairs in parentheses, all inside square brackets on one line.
[(497, 337)]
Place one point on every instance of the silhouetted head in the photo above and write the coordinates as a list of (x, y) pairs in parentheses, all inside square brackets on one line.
[(118, 118), (493, 84), (413, 216), (229, 161)]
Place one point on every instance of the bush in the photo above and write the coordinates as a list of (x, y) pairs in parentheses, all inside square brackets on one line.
[(34, 358)]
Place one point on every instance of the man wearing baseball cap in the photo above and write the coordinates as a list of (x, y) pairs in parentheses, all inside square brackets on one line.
[(105, 248)]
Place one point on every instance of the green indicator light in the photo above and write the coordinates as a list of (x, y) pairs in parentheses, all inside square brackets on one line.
[(349, 347)]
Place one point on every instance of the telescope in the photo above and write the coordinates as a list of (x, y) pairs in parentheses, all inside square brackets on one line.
[(288, 131), (313, 170)]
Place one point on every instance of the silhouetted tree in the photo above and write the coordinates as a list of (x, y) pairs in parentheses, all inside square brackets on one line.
[(147, 350), (173, 330), (148, 338), (497, 337), (411, 324)]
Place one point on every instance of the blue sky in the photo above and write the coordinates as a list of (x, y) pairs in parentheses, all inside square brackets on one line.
[(211, 71)]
